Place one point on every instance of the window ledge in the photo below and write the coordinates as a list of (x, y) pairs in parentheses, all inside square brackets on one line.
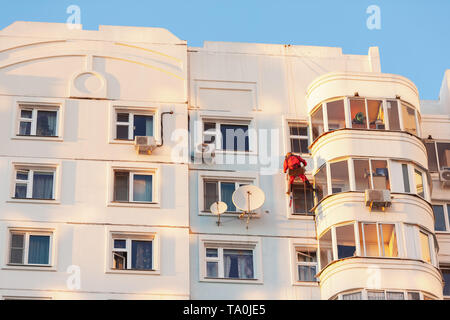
[(128, 142), (29, 268), (38, 138), (141, 272), (244, 153), (135, 204), (228, 214), (301, 216), (230, 280), (34, 201), (306, 283)]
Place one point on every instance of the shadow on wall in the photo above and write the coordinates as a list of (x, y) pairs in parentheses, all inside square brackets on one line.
[(112, 84)]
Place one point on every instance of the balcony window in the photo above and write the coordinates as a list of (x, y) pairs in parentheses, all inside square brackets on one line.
[(380, 174), (378, 240), (405, 173), (352, 296), (409, 118), (443, 151), (345, 237), (317, 124), (339, 177), (371, 174), (418, 180), (425, 246), (392, 110), (39, 121), (376, 114), (336, 115), (320, 183), (358, 113), (362, 174), (326, 249)]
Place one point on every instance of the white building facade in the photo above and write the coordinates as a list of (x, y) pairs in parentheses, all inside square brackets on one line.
[(84, 216)]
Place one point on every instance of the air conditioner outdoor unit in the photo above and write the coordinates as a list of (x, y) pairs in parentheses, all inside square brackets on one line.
[(444, 176), (204, 153), (144, 144), (378, 198)]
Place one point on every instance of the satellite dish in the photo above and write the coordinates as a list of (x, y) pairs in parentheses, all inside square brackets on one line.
[(247, 199), (218, 208)]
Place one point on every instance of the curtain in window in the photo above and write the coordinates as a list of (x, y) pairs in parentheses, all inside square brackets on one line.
[(142, 189), (226, 193), (46, 123), (210, 194), (238, 264), (143, 126), (38, 251), (121, 182), (141, 255), (234, 137), (375, 295), (395, 296), (43, 185), (306, 273), (352, 296)]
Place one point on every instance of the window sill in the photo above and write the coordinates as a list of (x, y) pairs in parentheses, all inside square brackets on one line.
[(141, 272), (301, 216), (38, 138), (34, 201), (228, 214), (127, 142), (29, 268), (135, 204), (306, 283), (232, 280)]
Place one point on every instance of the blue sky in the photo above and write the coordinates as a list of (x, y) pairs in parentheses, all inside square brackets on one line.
[(413, 39)]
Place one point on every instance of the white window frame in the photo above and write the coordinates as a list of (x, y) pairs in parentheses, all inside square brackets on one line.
[(29, 182), (298, 123), (134, 108), (429, 236), (435, 143), (446, 211), (364, 293), (315, 264), (131, 175), (230, 242), (381, 253), (35, 106), (219, 190), (27, 233), (154, 237), (134, 168)]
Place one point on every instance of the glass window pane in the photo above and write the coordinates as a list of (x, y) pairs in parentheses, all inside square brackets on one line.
[(413, 296), (142, 188), (22, 174), (317, 123), (409, 119), (392, 109), (362, 174), (320, 183), (326, 249), (425, 247), (306, 273), (307, 256), (211, 195), (443, 150), (380, 174), (46, 123), (26, 114), (120, 260), (432, 160), (143, 126), (358, 113), (212, 269), (123, 117), (226, 192), (209, 134), (17, 245), (369, 239), (141, 255), (405, 172), (43, 185), (345, 237), (21, 191), (38, 250), (336, 115), (120, 244), (376, 114), (303, 199), (25, 128), (375, 295), (352, 296), (439, 218), (388, 240), (17, 240), (339, 177), (122, 132), (211, 253), (395, 296), (238, 264), (418, 179), (446, 276), (121, 186), (295, 145), (234, 137)]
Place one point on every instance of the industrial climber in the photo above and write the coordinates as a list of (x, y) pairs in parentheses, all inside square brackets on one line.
[(296, 166)]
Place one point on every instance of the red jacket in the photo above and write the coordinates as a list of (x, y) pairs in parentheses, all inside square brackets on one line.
[(288, 161)]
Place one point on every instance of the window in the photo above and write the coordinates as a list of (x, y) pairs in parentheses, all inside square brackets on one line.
[(362, 174), (432, 159), (409, 118), (220, 191), (376, 114), (413, 295), (326, 249), (438, 155), (306, 262), (132, 252), (425, 246), (446, 276), (352, 296), (375, 295), (39, 121), (30, 248), (439, 218), (298, 137), (358, 113), (303, 199), (336, 115), (229, 263), (232, 137), (133, 186), (317, 124), (339, 177), (132, 124), (405, 173), (34, 183), (418, 179), (371, 174), (380, 174), (392, 111), (320, 183), (345, 237), (378, 240)]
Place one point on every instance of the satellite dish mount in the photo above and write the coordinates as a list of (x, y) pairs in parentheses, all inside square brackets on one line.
[(247, 199)]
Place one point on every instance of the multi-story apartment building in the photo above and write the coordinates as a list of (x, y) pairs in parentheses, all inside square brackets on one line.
[(83, 216)]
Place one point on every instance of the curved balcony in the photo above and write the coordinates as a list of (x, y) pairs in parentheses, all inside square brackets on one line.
[(339, 84), (380, 274)]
